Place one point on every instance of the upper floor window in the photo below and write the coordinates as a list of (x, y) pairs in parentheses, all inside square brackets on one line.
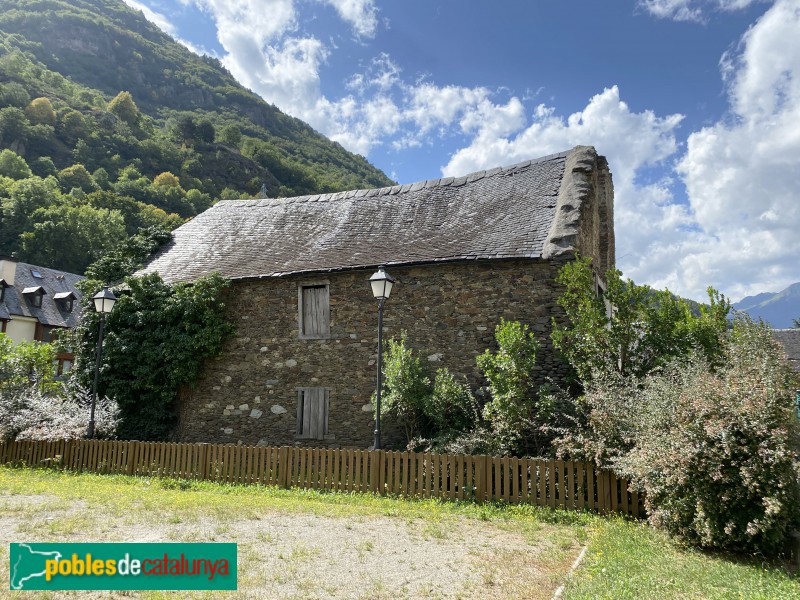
[(65, 300), (34, 295), (313, 309), (3, 286)]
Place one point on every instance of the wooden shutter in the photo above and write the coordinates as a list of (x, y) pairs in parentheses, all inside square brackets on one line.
[(316, 310), (312, 413)]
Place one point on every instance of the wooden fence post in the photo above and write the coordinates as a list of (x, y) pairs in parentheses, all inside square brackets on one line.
[(205, 462), (66, 456), (131, 466), (283, 468)]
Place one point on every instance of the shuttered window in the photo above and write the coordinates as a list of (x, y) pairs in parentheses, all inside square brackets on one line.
[(314, 310), (312, 413)]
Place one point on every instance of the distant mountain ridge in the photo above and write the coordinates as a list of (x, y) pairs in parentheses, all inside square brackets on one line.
[(779, 309)]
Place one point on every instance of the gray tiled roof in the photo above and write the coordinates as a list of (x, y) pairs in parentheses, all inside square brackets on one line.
[(53, 282), (500, 213)]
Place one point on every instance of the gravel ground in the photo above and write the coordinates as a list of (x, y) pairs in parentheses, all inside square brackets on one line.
[(290, 555)]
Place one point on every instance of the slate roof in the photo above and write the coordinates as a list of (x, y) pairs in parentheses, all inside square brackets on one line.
[(53, 282), (500, 213)]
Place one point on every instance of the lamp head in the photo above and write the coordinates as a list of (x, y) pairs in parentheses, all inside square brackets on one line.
[(381, 283)]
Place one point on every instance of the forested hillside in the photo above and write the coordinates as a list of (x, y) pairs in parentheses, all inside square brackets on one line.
[(108, 125)]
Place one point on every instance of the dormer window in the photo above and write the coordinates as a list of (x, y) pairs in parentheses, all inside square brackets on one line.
[(3, 286), (34, 295), (65, 300)]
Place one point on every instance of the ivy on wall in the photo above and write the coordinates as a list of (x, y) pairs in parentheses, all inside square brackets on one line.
[(156, 340)]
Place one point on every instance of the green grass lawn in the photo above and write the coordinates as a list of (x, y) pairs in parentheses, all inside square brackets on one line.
[(631, 560), (624, 559)]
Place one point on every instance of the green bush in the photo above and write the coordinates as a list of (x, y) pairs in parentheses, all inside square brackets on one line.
[(511, 410), (432, 414)]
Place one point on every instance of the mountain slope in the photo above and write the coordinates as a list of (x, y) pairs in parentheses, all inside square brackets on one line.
[(106, 46), (778, 309), (108, 125)]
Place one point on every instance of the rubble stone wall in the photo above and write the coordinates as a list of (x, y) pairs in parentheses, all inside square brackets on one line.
[(249, 394)]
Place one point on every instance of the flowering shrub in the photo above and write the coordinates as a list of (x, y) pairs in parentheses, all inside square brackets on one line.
[(714, 450), (31, 414), (719, 464)]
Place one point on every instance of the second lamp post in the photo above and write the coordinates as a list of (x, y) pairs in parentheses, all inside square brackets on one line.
[(103, 303), (381, 283)]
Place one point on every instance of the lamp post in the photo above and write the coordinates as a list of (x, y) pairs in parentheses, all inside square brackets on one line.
[(103, 303), (381, 283)]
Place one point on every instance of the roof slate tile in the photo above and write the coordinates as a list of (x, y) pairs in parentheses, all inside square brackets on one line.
[(502, 213)]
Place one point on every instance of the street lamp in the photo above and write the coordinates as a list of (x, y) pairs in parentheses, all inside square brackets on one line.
[(103, 303), (381, 283)]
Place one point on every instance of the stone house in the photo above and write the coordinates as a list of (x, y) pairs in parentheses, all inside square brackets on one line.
[(36, 303), (465, 252)]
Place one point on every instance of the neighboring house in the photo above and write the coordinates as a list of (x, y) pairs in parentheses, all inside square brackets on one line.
[(36, 303), (465, 251), (790, 339)]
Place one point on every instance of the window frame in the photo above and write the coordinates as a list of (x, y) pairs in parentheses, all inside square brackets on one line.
[(324, 430), (301, 286)]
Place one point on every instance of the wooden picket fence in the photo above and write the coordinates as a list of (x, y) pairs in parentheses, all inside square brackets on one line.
[(543, 482)]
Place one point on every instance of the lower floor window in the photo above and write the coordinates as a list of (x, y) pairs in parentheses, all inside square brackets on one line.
[(312, 413)]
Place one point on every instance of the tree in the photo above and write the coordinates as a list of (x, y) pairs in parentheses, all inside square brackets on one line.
[(13, 94), (204, 132), (25, 197), (797, 322), (230, 135), (14, 166), (407, 388), (631, 329), (123, 106), (432, 414), (40, 112), (715, 449), (128, 256), (166, 179), (185, 130), (69, 237), (25, 364), (510, 370), (14, 127), (43, 167), (77, 176), (72, 126)]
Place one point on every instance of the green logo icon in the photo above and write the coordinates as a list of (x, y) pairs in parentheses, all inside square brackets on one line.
[(84, 566)]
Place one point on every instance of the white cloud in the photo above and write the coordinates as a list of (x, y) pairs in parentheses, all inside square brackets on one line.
[(739, 172), (159, 20), (361, 14), (164, 24), (692, 10)]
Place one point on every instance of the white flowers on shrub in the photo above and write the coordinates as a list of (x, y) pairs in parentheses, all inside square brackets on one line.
[(30, 414)]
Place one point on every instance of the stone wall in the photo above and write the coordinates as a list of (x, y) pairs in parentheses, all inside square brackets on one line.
[(790, 338), (249, 394)]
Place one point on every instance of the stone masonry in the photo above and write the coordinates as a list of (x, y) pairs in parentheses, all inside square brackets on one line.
[(248, 395)]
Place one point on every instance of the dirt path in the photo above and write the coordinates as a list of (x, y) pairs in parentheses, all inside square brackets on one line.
[(289, 555)]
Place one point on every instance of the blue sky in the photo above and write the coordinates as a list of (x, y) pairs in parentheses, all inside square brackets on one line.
[(696, 104)]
